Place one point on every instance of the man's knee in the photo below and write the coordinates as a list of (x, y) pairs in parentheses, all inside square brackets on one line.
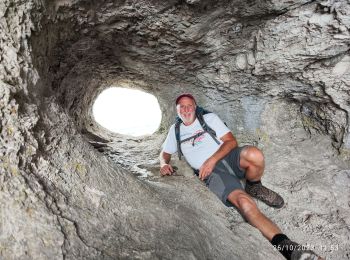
[(244, 203), (253, 155)]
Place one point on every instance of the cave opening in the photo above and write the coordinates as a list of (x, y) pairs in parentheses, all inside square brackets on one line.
[(127, 111)]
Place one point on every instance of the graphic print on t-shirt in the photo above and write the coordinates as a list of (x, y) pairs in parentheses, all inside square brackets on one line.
[(198, 140)]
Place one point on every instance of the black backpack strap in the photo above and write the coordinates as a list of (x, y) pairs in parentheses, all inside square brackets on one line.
[(177, 135), (199, 113)]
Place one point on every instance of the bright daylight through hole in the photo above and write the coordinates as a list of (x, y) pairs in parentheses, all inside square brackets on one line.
[(127, 111)]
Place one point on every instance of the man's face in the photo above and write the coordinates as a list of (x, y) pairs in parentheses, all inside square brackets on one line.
[(186, 110)]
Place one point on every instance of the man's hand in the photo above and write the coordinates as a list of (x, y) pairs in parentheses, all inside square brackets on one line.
[(207, 168), (166, 169), (229, 143)]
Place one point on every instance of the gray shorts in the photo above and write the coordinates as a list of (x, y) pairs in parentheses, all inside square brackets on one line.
[(226, 176)]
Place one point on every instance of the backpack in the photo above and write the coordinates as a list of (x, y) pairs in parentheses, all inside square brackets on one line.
[(200, 112)]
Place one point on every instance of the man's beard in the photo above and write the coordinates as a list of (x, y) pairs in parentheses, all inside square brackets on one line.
[(190, 117)]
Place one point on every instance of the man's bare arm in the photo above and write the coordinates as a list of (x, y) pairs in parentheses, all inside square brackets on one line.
[(229, 143), (165, 167)]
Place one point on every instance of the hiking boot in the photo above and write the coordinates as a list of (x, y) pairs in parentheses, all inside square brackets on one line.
[(269, 197), (299, 252)]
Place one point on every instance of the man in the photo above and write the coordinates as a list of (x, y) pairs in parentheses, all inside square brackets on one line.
[(221, 164)]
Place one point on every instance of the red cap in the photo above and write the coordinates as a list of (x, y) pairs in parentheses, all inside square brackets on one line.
[(185, 95)]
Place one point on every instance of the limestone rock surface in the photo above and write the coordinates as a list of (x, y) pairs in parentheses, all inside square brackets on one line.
[(277, 72)]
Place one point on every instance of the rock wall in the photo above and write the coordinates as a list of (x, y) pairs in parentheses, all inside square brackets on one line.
[(277, 72)]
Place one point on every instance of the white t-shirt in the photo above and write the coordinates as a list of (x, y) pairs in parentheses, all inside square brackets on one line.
[(198, 150)]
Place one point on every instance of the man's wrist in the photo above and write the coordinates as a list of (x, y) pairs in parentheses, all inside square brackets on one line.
[(213, 159)]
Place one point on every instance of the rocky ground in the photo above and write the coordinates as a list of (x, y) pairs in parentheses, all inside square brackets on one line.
[(277, 72)]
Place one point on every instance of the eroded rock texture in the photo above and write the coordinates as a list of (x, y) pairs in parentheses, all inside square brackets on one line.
[(277, 72)]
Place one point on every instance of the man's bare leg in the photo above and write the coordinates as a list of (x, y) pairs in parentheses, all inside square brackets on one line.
[(248, 208), (289, 249), (252, 161)]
